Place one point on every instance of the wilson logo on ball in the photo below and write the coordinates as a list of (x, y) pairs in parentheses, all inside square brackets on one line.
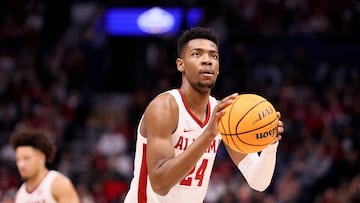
[(262, 135)]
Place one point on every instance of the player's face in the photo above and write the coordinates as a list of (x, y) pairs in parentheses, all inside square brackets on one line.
[(200, 64), (28, 161)]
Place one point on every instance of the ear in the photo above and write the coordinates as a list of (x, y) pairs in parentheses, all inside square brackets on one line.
[(180, 64), (41, 155)]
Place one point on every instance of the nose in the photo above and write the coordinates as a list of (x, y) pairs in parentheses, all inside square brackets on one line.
[(207, 59), (20, 163)]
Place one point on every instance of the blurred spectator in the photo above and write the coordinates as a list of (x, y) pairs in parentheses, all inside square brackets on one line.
[(84, 194), (8, 183), (288, 187), (111, 143), (244, 194), (329, 196)]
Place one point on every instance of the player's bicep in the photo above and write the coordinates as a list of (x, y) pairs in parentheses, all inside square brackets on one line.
[(160, 121)]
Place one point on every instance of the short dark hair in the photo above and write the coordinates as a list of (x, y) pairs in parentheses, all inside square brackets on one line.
[(39, 139), (196, 33)]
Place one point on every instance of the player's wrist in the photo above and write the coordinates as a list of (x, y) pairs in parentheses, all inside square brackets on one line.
[(271, 147)]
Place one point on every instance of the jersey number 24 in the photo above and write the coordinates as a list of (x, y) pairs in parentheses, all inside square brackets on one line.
[(195, 174)]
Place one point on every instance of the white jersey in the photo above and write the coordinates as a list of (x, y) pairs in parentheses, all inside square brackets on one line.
[(191, 188), (41, 194)]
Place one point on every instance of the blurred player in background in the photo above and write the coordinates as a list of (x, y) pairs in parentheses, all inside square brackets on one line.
[(178, 134), (34, 149)]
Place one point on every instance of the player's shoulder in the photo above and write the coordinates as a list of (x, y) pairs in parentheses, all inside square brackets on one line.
[(161, 113), (162, 108), (61, 182), (163, 102), (60, 177), (63, 188)]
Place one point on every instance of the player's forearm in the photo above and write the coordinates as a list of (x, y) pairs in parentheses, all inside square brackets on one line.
[(167, 175), (173, 170), (258, 170)]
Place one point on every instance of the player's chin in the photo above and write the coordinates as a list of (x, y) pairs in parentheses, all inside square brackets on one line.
[(209, 84), (23, 173), (24, 177)]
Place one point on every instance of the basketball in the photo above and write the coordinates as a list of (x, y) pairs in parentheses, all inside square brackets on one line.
[(249, 124)]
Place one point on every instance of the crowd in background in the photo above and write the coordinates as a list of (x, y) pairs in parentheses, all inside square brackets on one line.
[(60, 71)]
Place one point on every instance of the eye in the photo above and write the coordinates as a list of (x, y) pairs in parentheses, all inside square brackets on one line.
[(215, 56), (196, 54)]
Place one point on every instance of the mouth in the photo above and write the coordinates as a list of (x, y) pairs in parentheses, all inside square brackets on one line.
[(207, 73), (22, 172)]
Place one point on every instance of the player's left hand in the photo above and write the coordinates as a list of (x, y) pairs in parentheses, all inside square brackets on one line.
[(280, 128)]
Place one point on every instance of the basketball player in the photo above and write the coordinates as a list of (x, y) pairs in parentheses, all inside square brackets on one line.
[(178, 134), (33, 148)]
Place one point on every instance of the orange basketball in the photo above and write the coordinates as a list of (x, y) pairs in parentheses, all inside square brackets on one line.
[(249, 124)]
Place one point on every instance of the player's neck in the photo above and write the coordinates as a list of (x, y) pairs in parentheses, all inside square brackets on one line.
[(33, 182), (196, 101)]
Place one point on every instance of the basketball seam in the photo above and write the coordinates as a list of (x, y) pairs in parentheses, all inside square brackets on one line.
[(231, 134), (239, 141), (247, 142), (257, 128), (229, 126), (230, 112), (237, 124), (232, 137)]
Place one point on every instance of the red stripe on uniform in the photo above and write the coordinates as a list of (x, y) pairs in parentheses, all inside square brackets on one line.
[(142, 196)]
